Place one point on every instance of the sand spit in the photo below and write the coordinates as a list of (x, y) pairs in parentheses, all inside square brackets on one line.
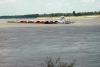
[(79, 21)]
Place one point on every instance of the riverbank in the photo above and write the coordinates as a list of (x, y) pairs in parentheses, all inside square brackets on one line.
[(79, 21)]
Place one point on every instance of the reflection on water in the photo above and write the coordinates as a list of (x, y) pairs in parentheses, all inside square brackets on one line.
[(27, 47)]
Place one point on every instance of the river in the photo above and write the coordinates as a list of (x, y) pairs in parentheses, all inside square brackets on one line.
[(28, 47)]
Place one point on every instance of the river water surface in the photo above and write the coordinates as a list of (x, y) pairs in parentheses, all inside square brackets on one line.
[(28, 47)]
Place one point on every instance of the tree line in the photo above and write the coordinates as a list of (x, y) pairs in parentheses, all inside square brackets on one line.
[(74, 13)]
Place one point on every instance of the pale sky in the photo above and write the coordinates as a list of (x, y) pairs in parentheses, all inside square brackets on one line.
[(17, 7)]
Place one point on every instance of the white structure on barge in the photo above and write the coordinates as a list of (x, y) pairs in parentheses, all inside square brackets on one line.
[(64, 21)]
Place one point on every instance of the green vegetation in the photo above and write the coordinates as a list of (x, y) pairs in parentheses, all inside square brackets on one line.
[(56, 62), (20, 16), (52, 15)]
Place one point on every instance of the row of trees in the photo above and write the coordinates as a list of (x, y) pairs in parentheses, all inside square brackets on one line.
[(70, 14), (85, 13), (52, 15), (20, 16)]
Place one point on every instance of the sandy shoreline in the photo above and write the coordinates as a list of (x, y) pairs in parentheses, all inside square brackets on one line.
[(12, 25), (80, 21)]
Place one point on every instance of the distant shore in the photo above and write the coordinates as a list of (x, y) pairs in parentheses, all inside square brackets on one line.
[(79, 21)]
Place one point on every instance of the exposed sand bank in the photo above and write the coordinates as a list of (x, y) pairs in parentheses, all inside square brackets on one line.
[(79, 21)]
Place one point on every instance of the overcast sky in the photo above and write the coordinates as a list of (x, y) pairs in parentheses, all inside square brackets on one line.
[(17, 7)]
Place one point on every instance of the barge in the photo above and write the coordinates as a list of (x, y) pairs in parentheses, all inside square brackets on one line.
[(62, 20)]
